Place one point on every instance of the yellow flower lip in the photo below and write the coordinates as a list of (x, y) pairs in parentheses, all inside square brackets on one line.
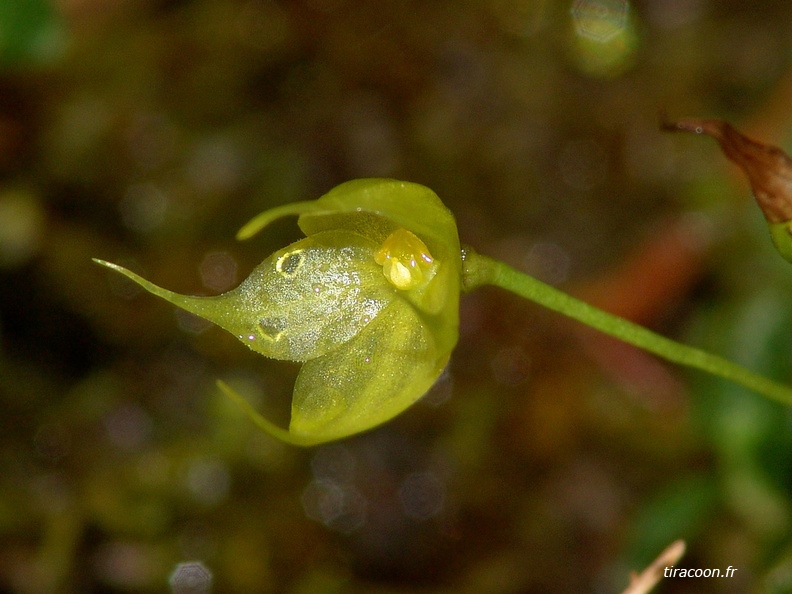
[(404, 259)]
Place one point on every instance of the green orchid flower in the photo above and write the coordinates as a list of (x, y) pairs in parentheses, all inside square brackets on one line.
[(368, 302)]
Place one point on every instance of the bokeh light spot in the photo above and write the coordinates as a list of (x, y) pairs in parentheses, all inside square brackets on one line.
[(143, 207), (422, 495), (547, 261), (208, 481), (192, 577), (191, 323), (600, 20), (511, 366), (339, 507), (334, 462), (215, 165), (218, 271), (128, 427), (605, 39)]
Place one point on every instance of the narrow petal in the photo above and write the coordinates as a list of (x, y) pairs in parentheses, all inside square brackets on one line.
[(262, 423), (257, 223)]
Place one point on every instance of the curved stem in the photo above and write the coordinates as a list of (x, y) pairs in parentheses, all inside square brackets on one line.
[(480, 270)]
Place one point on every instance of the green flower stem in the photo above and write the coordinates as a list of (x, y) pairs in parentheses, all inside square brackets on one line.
[(480, 270)]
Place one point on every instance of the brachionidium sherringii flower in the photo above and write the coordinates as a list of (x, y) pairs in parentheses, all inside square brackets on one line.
[(367, 301)]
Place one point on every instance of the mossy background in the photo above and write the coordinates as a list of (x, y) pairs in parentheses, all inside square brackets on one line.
[(548, 459)]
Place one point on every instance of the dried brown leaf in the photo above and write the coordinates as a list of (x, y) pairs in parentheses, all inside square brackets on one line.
[(768, 168)]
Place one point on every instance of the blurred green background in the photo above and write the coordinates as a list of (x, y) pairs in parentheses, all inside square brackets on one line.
[(547, 459)]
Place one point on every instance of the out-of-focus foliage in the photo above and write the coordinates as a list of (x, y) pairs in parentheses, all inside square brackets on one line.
[(547, 459), (31, 32)]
